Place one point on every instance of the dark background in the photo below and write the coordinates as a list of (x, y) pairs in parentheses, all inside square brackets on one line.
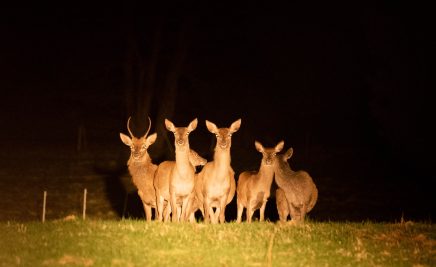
[(348, 86)]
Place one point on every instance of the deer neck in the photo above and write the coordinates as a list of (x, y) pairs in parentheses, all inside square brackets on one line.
[(222, 160), (282, 172), (139, 168), (266, 173), (182, 160)]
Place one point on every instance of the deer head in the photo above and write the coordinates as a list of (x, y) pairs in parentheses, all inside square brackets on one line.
[(181, 134), (138, 146), (195, 159), (268, 154), (223, 135)]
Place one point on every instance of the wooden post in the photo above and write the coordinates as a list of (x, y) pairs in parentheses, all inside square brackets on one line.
[(84, 204), (43, 206)]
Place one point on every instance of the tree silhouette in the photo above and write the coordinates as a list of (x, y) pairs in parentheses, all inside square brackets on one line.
[(156, 47)]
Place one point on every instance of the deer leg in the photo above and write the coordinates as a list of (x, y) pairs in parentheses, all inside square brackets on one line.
[(189, 206), (160, 207), (282, 216), (240, 211), (284, 213), (250, 211), (202, 211), (167, 212), (207, 210), (179, 212), (184, 214), (190, 216), (262, 210), (222, 209), (215, 215), (295, 213), (147, 210), (303, 212), (174, 215)]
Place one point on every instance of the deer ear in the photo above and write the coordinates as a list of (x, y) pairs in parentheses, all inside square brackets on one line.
[(235, 126), (289, 153), (170, 126), (193, 125), (125, 139), (258, 146), (151, 138), (211, 127), (279, 146)]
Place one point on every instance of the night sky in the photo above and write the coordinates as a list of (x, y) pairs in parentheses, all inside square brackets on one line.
[(348, 86)]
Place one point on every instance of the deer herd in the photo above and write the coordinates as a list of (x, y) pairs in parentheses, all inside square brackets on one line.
[(174, 188)]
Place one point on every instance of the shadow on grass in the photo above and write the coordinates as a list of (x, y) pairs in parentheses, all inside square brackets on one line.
[(120, 192)]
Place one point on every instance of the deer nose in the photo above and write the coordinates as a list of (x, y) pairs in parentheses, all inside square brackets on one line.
[(268, 161), (180, 142), (223, 144)]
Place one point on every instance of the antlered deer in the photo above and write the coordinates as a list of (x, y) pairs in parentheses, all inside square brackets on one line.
[(215, 186), (254, 187), (141, 167), (298, 187), (177, 176)]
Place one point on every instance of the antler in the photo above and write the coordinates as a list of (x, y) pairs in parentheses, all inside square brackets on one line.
[(149, 126), (128, 127)]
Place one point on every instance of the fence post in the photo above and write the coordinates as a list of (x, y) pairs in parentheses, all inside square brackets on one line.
[(84, 204), (43, 206)]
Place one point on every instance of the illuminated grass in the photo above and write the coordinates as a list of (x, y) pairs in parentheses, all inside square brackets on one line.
[(138, 243)]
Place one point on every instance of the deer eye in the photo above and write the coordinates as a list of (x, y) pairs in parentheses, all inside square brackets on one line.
[(187, 133), (230, 135), (217, 135)]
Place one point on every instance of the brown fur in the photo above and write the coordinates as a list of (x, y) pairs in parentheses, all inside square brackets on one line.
[(215, 186), (141, 168), (181, 174), (254, 186), (300, 190)]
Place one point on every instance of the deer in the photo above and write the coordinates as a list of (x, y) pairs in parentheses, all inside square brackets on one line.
[(177, 176), (298, 187), (254, 187), (141, 167), (161, 182), (216, 186)]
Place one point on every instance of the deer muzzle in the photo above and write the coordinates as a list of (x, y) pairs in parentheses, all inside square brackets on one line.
[(223, 145), (136, 155), (180, 142)]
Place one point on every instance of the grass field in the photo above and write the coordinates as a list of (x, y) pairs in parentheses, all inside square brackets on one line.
[(138, 243)]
